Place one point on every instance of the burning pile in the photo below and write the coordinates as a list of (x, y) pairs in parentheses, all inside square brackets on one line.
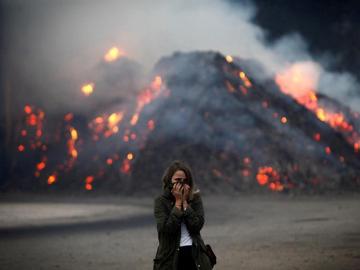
[(237, 133)]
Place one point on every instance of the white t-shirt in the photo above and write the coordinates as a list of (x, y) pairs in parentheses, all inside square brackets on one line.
[(185, 239)]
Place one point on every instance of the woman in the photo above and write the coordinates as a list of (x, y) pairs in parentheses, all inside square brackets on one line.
[(179, 218)]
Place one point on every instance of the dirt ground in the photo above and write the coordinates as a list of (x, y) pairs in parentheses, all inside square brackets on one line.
[(246, 232)]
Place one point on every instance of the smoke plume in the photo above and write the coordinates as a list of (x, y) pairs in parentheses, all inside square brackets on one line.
[(52, 47)]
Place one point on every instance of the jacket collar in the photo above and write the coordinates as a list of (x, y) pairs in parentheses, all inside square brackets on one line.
[(168, 195)]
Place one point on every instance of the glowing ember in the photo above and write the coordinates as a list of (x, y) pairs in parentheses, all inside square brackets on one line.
[(114, 119), (27, 109), (89, 179), (113, 54), (74, 134), (99, 120), (246, 160), (320, 113), (356, 147), (276, 186), (268, 175), (230, 87), (134, 119), (71, 144), (40, 166), (246, 172), (88, 182), (229, 59), (125, 167), (88, 89), (74, 153), (38, 133), (32, 120), (51, 179), (68, 117), (109, 161), (107, 125), (151, 124), (21, 148), (317, 137), (130, 156), (262, 178), (245, 79)]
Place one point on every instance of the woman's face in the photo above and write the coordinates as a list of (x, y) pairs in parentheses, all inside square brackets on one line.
[(178, 176)]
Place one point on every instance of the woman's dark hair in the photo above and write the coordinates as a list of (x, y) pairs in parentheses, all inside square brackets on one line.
[(178, 165)]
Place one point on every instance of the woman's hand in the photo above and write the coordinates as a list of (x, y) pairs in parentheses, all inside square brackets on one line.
[(186, 196), (186, 192), (177, 191)]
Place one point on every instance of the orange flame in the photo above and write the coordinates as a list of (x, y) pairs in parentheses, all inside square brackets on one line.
[(51, 179), (268, 175), (113, 54), (74, 134), (262, 178), (134, 119), (245, 79), (130, 156), (114, 119), (27, 109), (88, 182), (88, 89), (356, 147), (41, 165), (109, 161), (146, 97), (229, 59), (71, 143), (300, 81)]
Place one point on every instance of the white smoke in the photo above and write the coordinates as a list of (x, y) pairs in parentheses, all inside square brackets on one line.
[(65, 39)]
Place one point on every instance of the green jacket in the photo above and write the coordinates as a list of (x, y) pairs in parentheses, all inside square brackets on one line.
[(168, 221)]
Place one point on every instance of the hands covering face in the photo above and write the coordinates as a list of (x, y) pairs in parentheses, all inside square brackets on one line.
[(181, 191)]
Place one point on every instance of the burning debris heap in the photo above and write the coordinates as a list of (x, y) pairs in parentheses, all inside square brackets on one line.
[(201, 107)]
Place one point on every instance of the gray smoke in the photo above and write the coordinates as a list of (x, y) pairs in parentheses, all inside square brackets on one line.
[(55, 46)]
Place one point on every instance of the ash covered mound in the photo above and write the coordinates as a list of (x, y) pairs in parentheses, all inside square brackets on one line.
[(237, 132)]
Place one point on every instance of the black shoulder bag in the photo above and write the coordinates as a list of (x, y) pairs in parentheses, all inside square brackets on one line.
[(211, 255)]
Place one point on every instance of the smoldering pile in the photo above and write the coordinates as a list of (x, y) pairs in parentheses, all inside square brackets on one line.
[(237, 133)]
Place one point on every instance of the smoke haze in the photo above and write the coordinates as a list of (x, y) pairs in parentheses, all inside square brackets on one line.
[(52, 47)]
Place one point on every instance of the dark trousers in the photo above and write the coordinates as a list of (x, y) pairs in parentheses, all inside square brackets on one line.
[(186, 261)]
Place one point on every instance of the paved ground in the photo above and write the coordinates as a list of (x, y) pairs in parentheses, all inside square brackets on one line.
[(246, 232)]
